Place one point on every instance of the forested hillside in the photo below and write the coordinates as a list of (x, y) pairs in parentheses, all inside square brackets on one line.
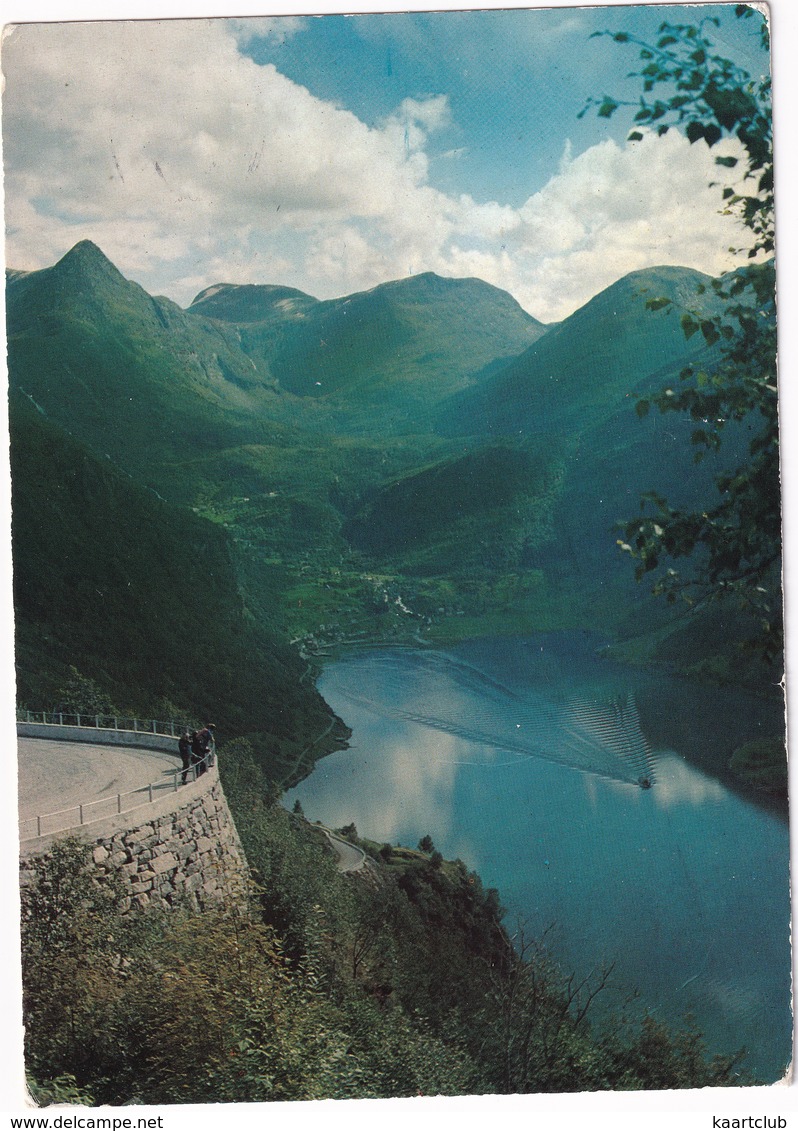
[(397, 982), (427, 439), (202, 500), (140, 596)]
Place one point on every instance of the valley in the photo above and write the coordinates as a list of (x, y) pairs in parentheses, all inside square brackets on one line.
[(399, 391), (376, 540), (421, 462)]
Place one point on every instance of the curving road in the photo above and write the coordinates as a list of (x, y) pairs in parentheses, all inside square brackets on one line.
[(350, 857), (56, 777)]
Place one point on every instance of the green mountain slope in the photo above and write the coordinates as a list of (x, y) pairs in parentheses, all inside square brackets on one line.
[(263, 303), (611, 349), (133, 376), (405, 446), (478, 511), (574, 391), (172, 397), (404, 345), (141, 597)]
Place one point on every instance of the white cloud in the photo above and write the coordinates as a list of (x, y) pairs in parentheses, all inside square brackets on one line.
[(188, 163), (274, 29), (427, 114), (615, 209)]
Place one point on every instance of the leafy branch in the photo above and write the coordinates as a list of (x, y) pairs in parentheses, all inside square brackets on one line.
[(735, 543), (709, 98)]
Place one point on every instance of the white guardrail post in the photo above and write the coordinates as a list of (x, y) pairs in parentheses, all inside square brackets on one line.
[(166, 730)]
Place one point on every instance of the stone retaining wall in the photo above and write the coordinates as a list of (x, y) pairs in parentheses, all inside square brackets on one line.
[(190, 854), (184, 847)]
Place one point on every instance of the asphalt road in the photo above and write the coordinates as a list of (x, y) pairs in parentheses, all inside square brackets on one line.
[(350, 857), (56, 777)]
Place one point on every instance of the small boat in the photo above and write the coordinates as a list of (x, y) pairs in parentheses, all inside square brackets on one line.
[(644, 782)]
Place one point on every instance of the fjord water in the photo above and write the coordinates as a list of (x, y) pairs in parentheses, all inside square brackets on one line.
[(525, 758)]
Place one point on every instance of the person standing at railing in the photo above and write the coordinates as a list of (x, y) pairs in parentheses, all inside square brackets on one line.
[(197, 754), (184, 746), (206, 747)]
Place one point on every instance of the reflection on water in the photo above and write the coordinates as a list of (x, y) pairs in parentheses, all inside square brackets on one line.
[(525, 763), (438, 691)]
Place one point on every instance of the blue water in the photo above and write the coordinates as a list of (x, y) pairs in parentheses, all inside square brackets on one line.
[(524, 758)]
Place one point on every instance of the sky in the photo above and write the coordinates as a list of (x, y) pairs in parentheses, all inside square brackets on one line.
[(334, 153), (511, 115)]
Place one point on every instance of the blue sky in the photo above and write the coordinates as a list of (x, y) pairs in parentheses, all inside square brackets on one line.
[(516, 80), (333, 153), (512, 123)]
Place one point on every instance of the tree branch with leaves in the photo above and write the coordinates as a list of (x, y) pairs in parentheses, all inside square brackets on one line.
[(734, 544)]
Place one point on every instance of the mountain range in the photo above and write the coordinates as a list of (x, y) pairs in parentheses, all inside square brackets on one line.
[(264, 467)]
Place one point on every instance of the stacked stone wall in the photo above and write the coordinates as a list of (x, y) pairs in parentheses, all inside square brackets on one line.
[(182, 849), (192, 854)]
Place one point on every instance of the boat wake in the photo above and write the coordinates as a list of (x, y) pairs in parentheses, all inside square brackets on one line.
[(598, 736)]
